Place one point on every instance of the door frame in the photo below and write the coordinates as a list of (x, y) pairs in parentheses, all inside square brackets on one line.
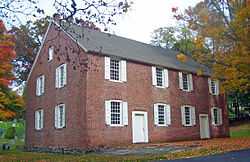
[(200, 116), (144, 113)]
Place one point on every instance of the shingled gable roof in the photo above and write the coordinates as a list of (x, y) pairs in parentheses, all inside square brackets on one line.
[(112, 45)]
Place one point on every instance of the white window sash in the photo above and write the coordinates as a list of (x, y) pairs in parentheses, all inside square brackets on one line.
[(107, 68)]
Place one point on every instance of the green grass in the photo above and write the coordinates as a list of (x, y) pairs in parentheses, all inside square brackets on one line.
[(241, 130), (240, 133)]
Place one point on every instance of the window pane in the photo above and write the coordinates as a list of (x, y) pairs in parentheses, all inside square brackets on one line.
[(115, 113), (159, 77), (114, 69), (216, 121), (161, 114), (61, 79), (213, 87), (188, 115), (61, 115), (185, 81)]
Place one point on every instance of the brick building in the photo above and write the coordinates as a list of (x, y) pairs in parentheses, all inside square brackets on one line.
[(89, 89)]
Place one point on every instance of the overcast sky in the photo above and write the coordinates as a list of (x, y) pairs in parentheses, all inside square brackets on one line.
[(143, 17)]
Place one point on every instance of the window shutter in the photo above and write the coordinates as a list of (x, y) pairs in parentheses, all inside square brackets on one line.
[(108, 112), (210, 85), (193, 116), (191, 87), (220, 116), (183, 119), (63, 117), (125, 113), (107, 67), (64, 74), (180, 80), (165, 71), (43, 83), (156, 114), (42, 118), (212, 116), (37, 86), (56, 117), (123, 70), (168, 115), (217, 88), (57, 78), (36, 118), (154, 75)]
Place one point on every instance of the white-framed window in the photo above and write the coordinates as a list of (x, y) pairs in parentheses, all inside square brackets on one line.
[(39, 119), (116, 112), (162, 114), (213, 86), (60, 116), (40, 82), (159, 77), (61, 76), (185, 82), (50, 53), (188, 115), (216, 114), (115, 69)]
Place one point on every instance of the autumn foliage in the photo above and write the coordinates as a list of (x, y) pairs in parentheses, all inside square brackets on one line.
[(7, 54), (10, 102), (222, 40)]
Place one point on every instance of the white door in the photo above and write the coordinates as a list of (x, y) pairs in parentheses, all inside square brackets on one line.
[(204, 126), (140, 127)]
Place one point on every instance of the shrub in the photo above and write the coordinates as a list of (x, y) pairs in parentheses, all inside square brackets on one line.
[(10, 133), (1, 132)]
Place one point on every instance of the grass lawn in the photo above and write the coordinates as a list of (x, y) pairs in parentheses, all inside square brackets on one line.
[(240, 130)]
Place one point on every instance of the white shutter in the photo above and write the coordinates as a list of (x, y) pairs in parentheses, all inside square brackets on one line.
[(165, 72), (156, 114), (191, 87), (220, 116), (64, 74), (63, 117), (37, 86), (180, 80), (43, 83), (36, 117), (154, 75), (123, 70), (57, 78), (210, 85), (212, 116), (56, 117), (168, 115), (217, 88), (107, 67), (108, 112), (183, 119), (193, 116), (125, 113), (42, 120)]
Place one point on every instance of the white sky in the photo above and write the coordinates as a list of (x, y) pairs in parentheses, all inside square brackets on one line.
[(143, 17)]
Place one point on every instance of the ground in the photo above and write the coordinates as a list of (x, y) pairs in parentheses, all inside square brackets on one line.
[(144, 152)]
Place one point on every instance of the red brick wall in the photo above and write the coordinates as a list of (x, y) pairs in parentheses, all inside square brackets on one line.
[(86, 91), (141, 95), (72, 95)]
